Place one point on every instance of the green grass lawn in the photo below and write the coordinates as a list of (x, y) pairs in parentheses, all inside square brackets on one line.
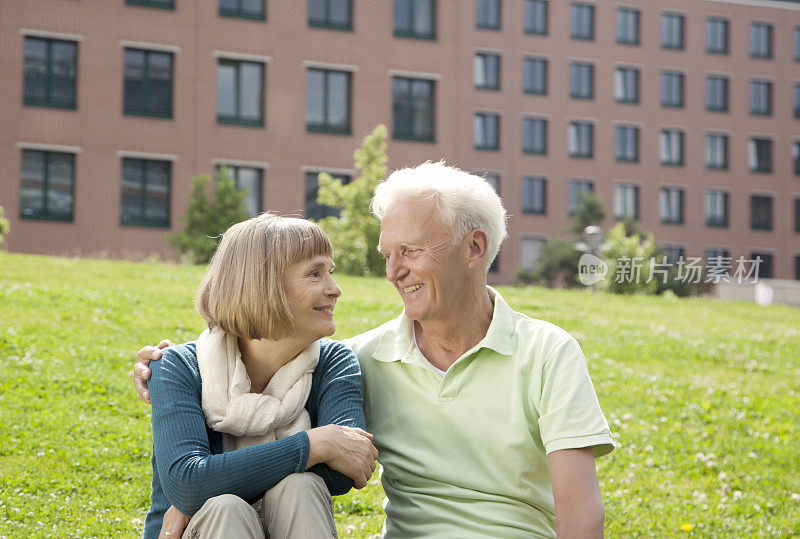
[(702, 396)]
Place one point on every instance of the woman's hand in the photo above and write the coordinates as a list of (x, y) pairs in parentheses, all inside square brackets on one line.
[(346, 450), (173, 524)]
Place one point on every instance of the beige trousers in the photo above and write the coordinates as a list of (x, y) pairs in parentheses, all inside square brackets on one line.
[(300, 506)]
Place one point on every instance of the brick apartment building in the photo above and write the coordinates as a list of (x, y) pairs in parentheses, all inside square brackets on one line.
[(682, 113)]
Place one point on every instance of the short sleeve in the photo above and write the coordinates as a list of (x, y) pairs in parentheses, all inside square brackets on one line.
[(569, 412)]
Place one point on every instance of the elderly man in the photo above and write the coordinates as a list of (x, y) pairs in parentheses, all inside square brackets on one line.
[(485, 420)]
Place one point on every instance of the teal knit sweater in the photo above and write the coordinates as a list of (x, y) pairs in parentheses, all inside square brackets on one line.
[(189, 466)]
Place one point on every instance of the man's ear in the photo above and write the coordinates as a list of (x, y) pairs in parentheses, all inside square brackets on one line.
[(478, 244)]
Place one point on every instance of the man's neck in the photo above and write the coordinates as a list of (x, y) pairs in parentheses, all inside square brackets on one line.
[(442, 342)]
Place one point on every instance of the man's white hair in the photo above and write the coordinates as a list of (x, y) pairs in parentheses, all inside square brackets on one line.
[(464, 201)]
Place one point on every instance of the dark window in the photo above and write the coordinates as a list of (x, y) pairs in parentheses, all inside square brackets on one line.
[(627, 26), (797, 268), (760, 155), (487, 71), (48, 180), (718, 256), (716, 93), (797, 43), (672, 147), (765, 264), (761, 97), (240, 92), (716, 150), (535, 76), (51, 67), (165, 4), (487, 131), (328, 101), (579, 140), (671, 201), (534, 195), (716, 36), (487, 14), (671, 89), (412, 109), (716, 208), (674, 253), (250, 179), (330, 14), (246, 9), (577, 189), (581, 80), (626, 201), (626, 85), (797, 215), (761, 212), (148, 83), (415, 18), (796, 157), (672, 31), (760, 40), (534, 135), (145, 192), (797, 100), (536, 17), (627, 143), (582, 21), (314, 210)]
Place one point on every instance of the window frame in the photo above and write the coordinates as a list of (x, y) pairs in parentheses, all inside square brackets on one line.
[(668, 190), (666, 87), (325, 211), (485, 62), (539, 186), (621, 134), (725, 149), (618, 187), (151, 3), (710, 46), (410, 33), (141, 220), (755, 53), (532, 61), (48, 100), (484, 144), (711, 220), (715, 79), (796, 98), (535, 149), (578, 125), (573, 189), (325, 126), (234, 174), (637, 18), (488, 4), (581, 66), (45, 215), (755, 213), (326, 23), (797, 215), (545, 6), (409, 106), (240, 14), (621, 72), (753, 145), (237, 119), (583, 8), (670, 131), (678, 17), (754, 85), (146, 85)]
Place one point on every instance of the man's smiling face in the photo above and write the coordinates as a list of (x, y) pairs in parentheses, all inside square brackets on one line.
[(423, 261)]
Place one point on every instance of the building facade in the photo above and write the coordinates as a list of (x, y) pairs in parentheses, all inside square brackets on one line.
[(683, 114)]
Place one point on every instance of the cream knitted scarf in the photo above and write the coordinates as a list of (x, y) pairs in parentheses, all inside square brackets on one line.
[(253, 418)]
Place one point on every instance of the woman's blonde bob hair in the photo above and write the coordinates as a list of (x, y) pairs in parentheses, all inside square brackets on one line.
[(242, 291)]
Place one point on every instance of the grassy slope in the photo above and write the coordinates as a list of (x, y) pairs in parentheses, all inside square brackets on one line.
[(702, 395)]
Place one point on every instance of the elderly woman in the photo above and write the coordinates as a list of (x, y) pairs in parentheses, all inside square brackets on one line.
[(258, 422)]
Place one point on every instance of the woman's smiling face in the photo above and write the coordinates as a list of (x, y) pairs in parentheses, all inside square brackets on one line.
[(312, 294)]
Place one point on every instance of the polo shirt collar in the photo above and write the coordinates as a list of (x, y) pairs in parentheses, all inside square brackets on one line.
[(397, 343)]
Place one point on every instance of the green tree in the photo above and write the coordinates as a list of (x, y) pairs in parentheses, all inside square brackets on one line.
[(355, 232), (4, 226), (625, 253), (588, 211), (207, 217)]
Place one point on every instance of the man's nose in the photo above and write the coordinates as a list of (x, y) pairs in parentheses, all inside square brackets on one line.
[(394, 267)]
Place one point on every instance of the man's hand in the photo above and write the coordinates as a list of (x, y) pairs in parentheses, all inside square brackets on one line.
[(141, 369), (346, 450), (173, 524), (579, 507)]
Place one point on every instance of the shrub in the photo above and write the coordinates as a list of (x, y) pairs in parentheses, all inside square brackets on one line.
[(4, 227)]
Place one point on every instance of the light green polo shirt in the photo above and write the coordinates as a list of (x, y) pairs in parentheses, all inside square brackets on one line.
[(465, 454)]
